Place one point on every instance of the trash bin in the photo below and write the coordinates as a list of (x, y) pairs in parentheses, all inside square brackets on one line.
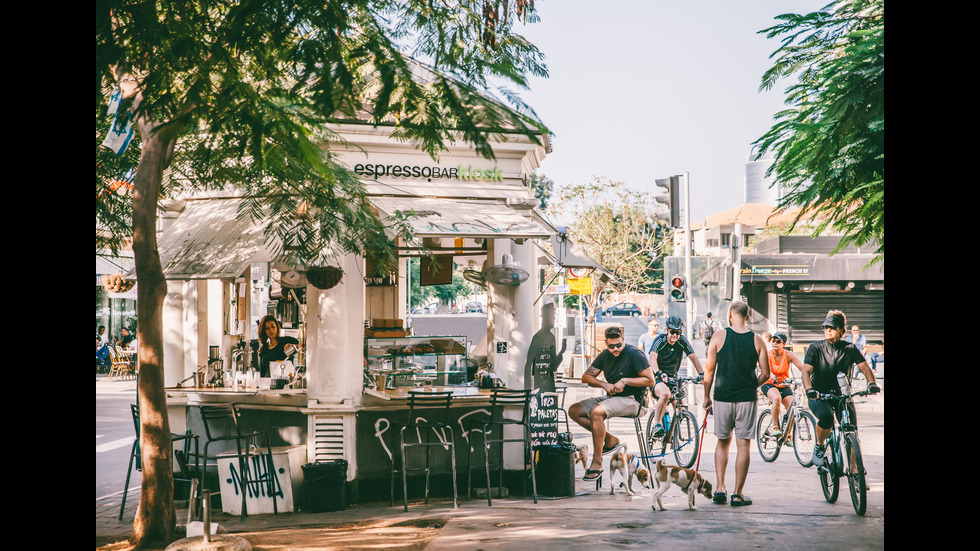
[(326, 485), (555, 470)]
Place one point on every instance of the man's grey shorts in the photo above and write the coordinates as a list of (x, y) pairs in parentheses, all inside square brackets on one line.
[(740, 416), (615, 406)]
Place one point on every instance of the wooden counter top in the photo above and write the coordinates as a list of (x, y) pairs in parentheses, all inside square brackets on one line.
[(459, 392)]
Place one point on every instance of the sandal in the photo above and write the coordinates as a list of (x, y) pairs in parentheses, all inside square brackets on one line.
[(720, 498), (741, 500), (588, 478), (612, 448)]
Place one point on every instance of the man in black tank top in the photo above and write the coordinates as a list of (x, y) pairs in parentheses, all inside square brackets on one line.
[(732, 358)]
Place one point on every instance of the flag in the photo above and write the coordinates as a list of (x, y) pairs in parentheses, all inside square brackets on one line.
[(122, 126)]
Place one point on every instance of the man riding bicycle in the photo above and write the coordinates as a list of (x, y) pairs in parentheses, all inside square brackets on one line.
[(821, 364), (667, 351)]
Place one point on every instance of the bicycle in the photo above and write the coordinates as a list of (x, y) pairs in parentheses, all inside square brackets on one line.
[(847, 461), (796, 421), (680, 427)]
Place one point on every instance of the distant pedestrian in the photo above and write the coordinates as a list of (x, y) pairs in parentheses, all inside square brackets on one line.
[(861, 342), (708, 329), (732, 358)]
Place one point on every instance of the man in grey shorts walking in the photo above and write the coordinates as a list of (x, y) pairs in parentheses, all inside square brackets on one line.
[(627, 377), (732, 358)]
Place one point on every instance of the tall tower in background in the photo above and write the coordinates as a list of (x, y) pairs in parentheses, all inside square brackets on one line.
[(757, 188)]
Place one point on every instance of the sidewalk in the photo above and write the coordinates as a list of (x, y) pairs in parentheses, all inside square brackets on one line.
[(789, 510)]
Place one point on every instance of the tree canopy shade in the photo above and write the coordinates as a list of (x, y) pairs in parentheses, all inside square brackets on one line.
[(242, 94), (617, 227), (829, 144)]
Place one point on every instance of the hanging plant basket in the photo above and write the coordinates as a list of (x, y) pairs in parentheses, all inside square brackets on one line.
[(116, 284), (324, 277)]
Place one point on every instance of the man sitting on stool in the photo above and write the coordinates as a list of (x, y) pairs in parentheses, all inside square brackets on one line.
[(627, 373)]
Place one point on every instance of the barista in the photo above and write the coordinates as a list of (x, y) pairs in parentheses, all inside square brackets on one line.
[(274, 348)]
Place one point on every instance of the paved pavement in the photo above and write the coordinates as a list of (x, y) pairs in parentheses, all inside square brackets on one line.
[(789, 511)]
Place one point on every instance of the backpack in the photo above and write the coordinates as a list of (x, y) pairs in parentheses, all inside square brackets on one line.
[(709, 329)]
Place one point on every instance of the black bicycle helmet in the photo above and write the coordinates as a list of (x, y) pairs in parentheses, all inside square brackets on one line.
[(675, 323)]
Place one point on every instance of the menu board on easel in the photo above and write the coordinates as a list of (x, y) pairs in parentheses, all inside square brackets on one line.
[(544, 419)]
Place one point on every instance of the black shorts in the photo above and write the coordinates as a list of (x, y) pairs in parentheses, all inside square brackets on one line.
[(784, 391), (825, 413)]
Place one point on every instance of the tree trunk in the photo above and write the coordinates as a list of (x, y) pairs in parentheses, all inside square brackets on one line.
[(156, 518)]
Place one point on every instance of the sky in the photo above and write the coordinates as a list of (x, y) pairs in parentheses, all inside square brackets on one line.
[(641, 90)]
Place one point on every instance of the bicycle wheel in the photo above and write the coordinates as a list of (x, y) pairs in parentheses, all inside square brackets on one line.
[(856, 480), (685, 439), (804, 438), (829, 480), (656, 445), (768, 444)]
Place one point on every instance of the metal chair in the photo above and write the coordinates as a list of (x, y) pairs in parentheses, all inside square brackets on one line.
[(181, 456), (561, 389), (438, 421), (221, 425), (500, 400), (121, 366)]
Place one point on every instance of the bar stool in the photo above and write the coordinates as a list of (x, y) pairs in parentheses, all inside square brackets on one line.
[(640, 439), (181, 455), (221, 426), (440, 402), (500, 400)]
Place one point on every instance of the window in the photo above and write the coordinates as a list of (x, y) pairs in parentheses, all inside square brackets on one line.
[(726, 240)]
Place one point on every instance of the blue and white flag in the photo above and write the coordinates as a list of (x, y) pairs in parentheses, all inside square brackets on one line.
[(122, 126)]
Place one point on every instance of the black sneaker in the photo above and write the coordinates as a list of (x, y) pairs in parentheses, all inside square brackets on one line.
[(819, 451)]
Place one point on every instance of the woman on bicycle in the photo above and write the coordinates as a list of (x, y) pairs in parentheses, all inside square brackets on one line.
[(777, 388), (821, 364)]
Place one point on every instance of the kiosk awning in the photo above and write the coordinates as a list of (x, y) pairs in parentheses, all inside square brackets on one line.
[(460, 218), (209, 241)]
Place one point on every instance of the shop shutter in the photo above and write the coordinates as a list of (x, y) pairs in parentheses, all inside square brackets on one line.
[(807, 311)]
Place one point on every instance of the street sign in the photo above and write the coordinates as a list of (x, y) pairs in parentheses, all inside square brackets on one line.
[(557, 290), (578, 272), (581, 286)]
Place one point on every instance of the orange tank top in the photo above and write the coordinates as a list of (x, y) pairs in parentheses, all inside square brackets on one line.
[(779, 370)]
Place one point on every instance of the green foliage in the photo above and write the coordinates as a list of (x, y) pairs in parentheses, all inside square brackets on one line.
[(254, 86), (617, 227), (447, 293), (829, 143), (542, 187)]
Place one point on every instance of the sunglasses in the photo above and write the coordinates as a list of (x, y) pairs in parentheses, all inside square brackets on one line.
[(775, 341), (617, 345), (674, 332), (825, 327)]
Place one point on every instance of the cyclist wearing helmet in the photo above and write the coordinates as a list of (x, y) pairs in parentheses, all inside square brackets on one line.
[(821, 364), (665, 357), (777, 388)]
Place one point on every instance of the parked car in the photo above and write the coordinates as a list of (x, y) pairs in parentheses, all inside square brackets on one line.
[(623, 309), (474, 307)]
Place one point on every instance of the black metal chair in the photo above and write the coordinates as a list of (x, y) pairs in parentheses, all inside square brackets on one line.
[(561, 388), (437, 408), (493, 433), (221, 425), (180, 455)]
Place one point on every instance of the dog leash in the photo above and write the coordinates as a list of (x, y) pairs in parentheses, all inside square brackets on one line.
[(701, 444)]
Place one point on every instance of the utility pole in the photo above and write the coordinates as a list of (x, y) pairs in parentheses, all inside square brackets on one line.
[(687, 251)]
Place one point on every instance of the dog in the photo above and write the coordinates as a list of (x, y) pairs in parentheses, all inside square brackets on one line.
[(686, 479), (629, 466), (582, 456)]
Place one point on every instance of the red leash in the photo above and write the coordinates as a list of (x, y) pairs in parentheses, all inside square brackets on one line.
[(701, 444)]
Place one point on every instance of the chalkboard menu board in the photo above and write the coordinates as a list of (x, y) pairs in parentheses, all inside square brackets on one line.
[(544, 419)]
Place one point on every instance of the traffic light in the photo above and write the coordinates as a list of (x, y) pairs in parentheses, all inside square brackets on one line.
[(671, 198), (678, 288)]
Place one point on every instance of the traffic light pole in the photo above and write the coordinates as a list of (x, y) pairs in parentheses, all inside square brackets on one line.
[(687, 253)]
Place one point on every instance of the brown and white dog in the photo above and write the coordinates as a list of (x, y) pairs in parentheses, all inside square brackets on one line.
[(581, 456), (685, 479), (629, 466)]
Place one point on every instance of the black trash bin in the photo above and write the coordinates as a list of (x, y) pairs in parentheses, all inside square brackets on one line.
[(326, 485), (555, 471)]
